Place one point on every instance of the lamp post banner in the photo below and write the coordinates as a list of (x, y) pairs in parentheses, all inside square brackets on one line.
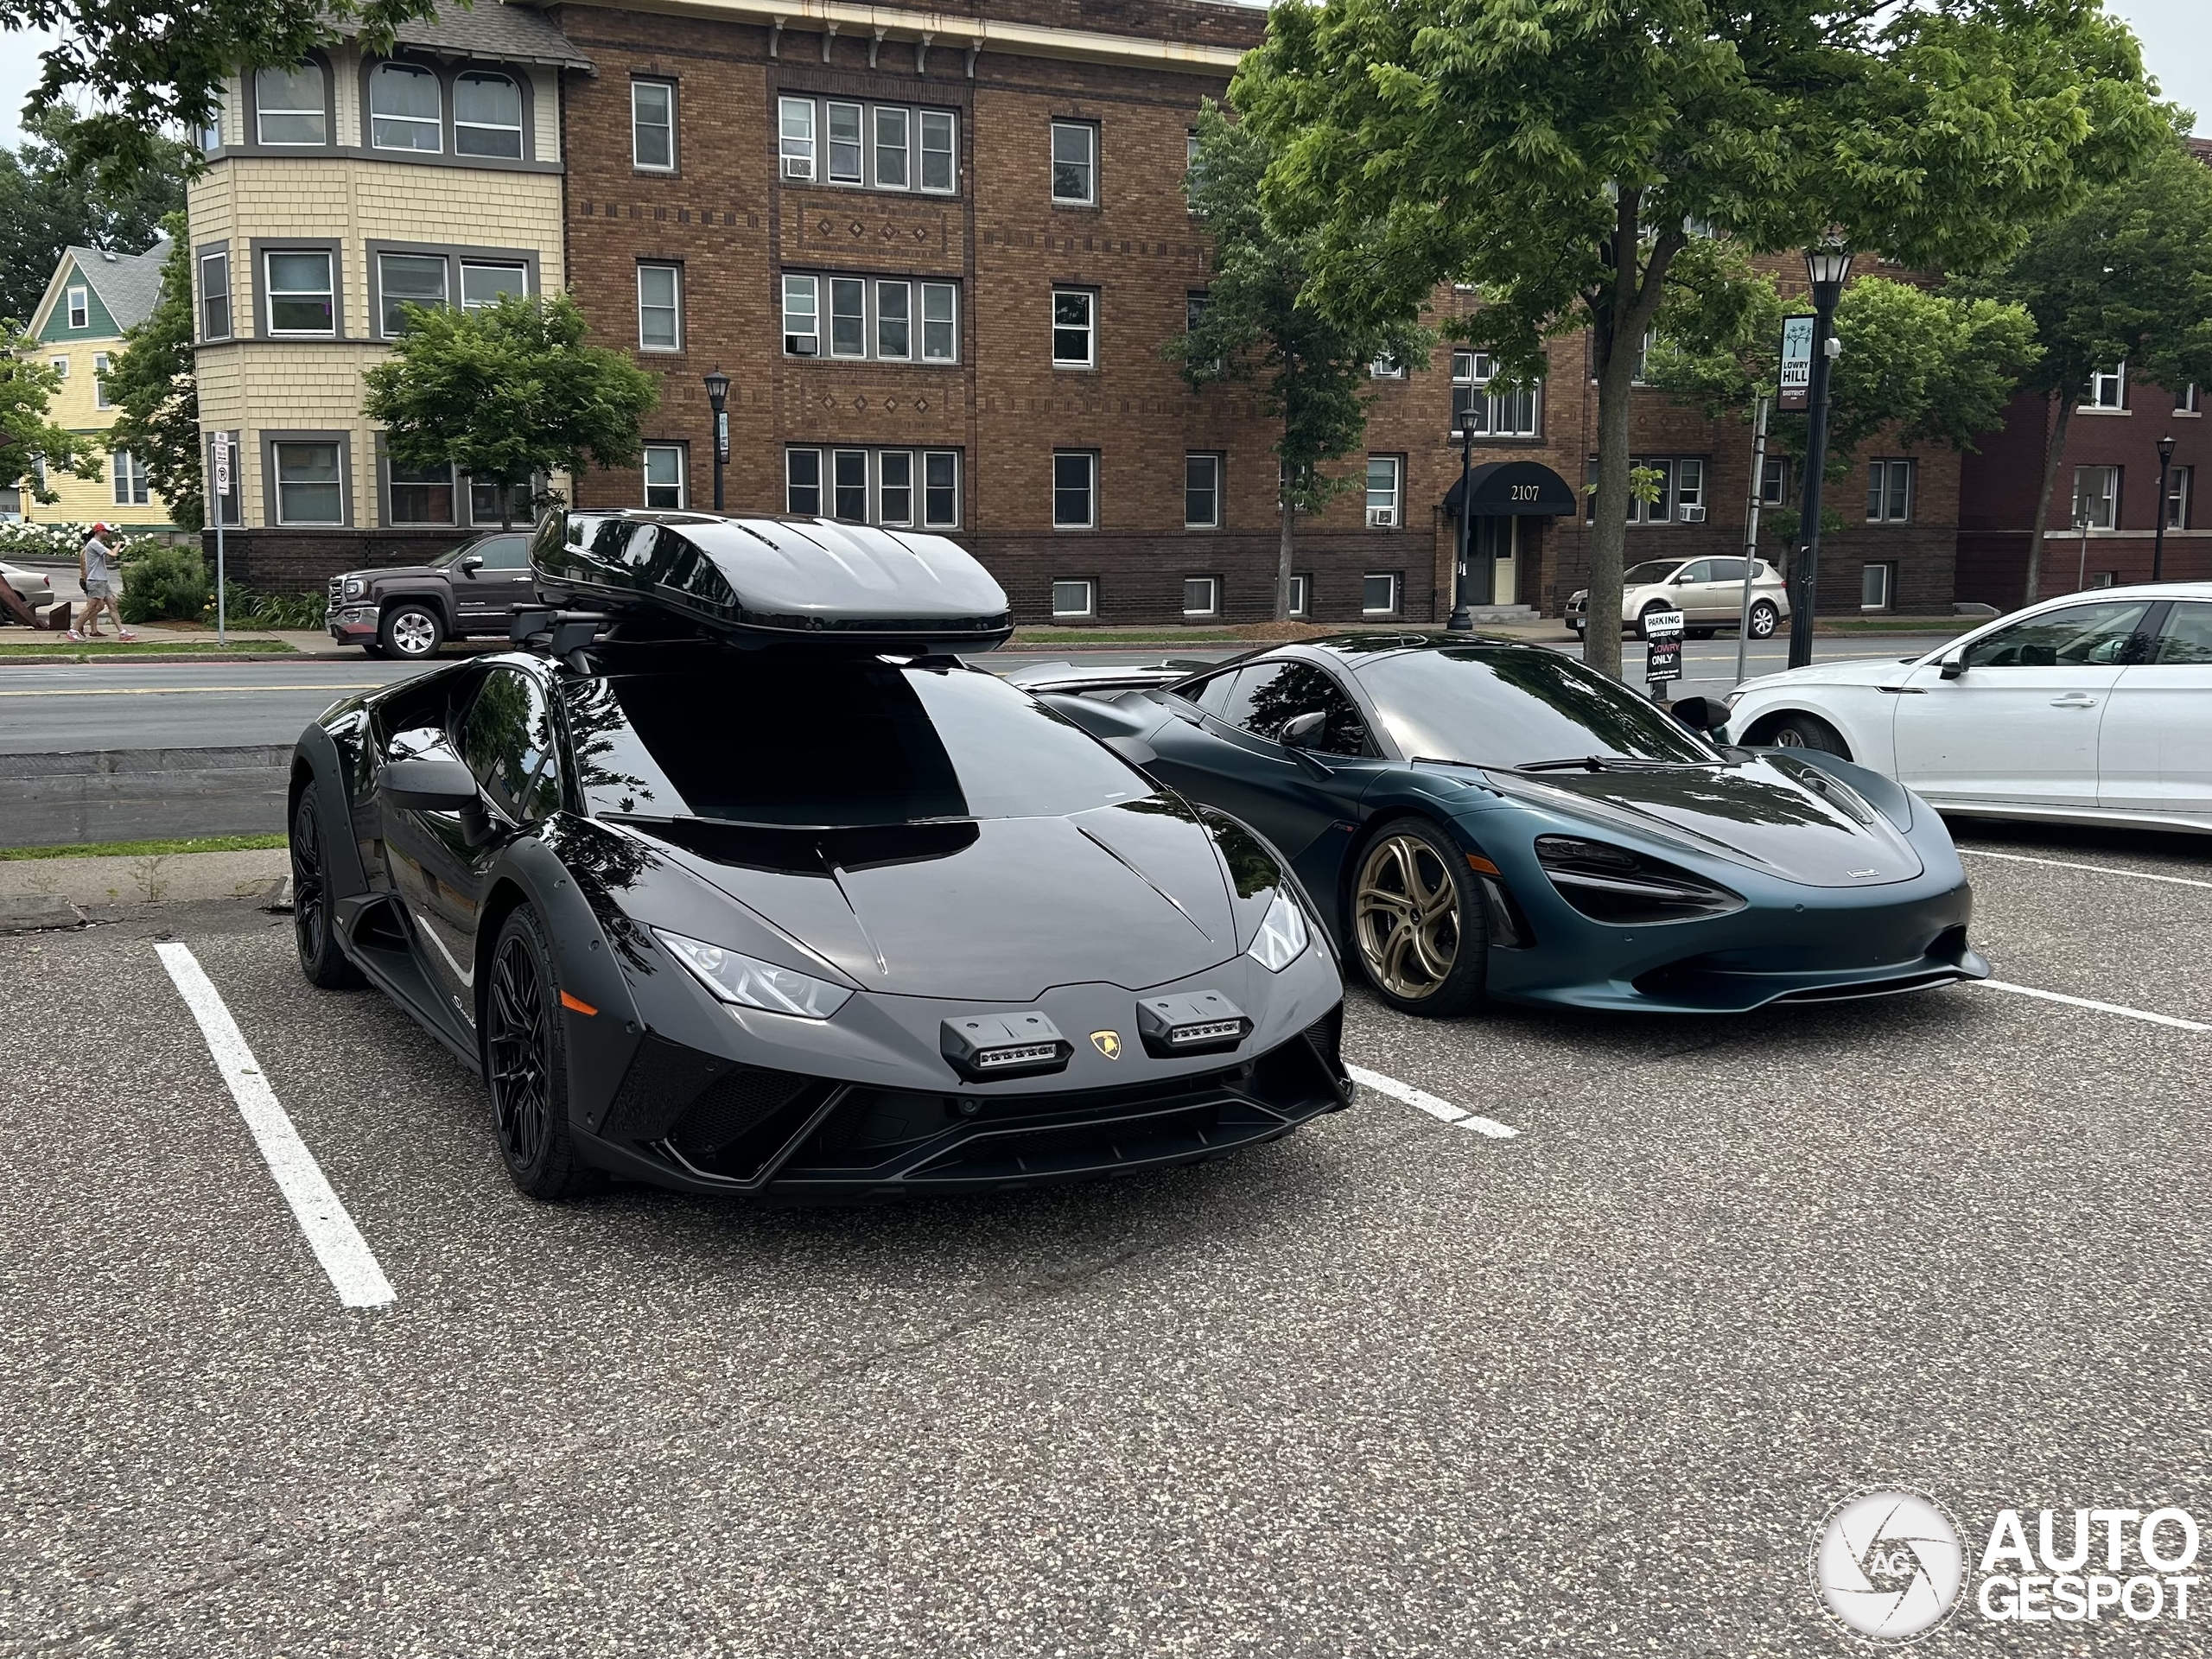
[(1794, 393)]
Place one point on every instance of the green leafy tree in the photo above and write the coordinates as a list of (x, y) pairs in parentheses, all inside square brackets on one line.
[(508, 391), (1916, 368), (1311, 371), (1559, 154), (29, 442), (2125, 277), (48, 204), (151, 382), (154, 67)]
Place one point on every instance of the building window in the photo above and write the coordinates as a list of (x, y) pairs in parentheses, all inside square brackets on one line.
[(1889, 492), (1387, 367), (1874, 582), (652, 126), (59, 366), (404, 108), (1075, 327), (894, 487), (891, 149), (2096, 497), (847, 147), (485, 284), (939, 160), (1299, 587), (405, 279), (2186, 403), (795, 137), (1201, 596), (2177, 498), (1074, 601), (2108, 388), (660, 308), (940, 323), (1384, 476), (940, 489), (1075, 478), (1378, 593), (1075, 163), (290, 106), (849, 484), (1677, 493), (215, 297), (301, 300), (894, 321), (484, 506), (99, 381), (801, 316), (1510, 412), (1201, 491), (487, 115), (867, 144), (80, 307), (664, 477), (803, 483), (422, 496), (884, 477), (128, 473), (1774, 481), (872, 319), (310, 487), (1689, 491)]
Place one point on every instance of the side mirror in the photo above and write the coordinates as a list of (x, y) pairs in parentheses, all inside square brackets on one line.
[(1303, 731), (472, 564), (425, 785), (1701, 714), (1951, 667)]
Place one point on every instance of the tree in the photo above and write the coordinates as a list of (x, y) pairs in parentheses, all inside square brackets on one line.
[(1313, 370), (1562, 153), (149, 67), (47, 203), (506, 393), (2125, 278), (29, 442), (151, 382), (1917, 367)]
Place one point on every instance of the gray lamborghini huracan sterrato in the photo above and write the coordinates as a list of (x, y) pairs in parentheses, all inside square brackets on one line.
[(735, 885)]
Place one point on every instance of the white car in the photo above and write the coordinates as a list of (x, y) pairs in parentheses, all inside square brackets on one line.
[(34, 588), (1709, 593), (2096, 707)]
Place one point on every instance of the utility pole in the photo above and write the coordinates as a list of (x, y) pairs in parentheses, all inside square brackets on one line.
[(1750, 542)]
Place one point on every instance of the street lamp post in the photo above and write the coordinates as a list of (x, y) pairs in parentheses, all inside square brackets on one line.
[(2158, 535), (718, 399), (1463, 619), (1827, 266)]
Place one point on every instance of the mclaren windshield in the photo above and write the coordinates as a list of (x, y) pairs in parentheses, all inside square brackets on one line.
[(1501, 705), (823, 740)]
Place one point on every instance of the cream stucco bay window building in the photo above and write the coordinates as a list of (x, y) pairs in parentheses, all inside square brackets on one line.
[(338, 192)]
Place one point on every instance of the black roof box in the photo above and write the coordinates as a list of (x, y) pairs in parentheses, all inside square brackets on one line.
[(812, 579)]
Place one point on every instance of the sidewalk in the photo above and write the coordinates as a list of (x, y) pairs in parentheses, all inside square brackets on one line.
[(50, 892)]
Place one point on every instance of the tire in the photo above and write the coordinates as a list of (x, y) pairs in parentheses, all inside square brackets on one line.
[(1765, 619), (410, 631), (526, 1064), (1808, 732), (1417, 921), (370, 648), (313, 929)]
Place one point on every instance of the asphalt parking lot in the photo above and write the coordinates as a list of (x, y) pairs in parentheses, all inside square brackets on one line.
[(1395, 1385)]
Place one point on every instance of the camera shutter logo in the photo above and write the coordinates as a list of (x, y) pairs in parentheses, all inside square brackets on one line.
[(1889, 1565)]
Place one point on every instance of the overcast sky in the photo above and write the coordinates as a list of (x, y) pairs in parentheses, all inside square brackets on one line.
[(2176, 40)]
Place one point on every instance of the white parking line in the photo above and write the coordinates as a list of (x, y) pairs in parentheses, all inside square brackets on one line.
[(2100, 869), (330, 1231), (1421, 1100), (2086, 1002)]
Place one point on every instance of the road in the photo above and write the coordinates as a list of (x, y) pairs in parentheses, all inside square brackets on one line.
[(1385, 1388)]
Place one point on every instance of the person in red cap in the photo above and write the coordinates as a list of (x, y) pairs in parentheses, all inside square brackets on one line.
[(96, 569)]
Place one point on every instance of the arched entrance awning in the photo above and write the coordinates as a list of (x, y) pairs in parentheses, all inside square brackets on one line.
[(1514, 489)]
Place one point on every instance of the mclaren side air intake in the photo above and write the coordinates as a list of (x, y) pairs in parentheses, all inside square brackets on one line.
[(763, 580)]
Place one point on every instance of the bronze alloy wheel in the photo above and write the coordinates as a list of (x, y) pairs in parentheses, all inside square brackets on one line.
[(1406, 913)]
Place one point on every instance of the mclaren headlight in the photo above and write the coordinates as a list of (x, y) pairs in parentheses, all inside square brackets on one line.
[(1283, 937), (355, 587), (751, 983), (1622, 889)]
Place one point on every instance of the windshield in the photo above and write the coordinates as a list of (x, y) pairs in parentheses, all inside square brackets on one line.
[(1651, 570), (836, 742), (1515, 705)]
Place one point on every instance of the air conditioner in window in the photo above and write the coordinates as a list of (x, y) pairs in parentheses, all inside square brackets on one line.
[(1692, 515), (1382, 517), (802, 345), (799, 167)]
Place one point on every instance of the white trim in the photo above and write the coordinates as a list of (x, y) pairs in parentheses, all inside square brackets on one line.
[(972, 34)]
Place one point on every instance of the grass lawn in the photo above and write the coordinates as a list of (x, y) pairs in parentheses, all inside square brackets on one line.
[(146, 849), (63, 645)]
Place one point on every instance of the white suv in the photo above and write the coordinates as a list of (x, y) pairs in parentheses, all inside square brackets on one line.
[(1709, 593)]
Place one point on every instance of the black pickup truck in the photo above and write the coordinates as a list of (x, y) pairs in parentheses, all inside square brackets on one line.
[(410, 610)]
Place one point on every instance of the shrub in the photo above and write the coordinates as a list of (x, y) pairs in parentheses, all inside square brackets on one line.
[(165, 584), (242, 608), (19, 541)]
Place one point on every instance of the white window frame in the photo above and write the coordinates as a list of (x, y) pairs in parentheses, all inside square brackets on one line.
[(2109, 498), (127, 474), (792, 484), (59, 366), (99, 381), (384, 288), (951, 459), (794, 145), (674, 308), (1888, 584), (2189, 402), (2178, 480), (878, 114), (1390, 577), (837, 486), (328, 290), (885, 463), (1392, 494), (1301, 596), (515, 266), (262, 111), (522, 110), (902, 294), (1213, 596), (1881, 490), (924, 140), (803, 319), (1213, 461), (2107, 390), (944, 297), (638, 125), (276, 448), (877, 466), (844, 285), (1386, 367), (1089, 164), (213, 287), (831, 144), (79, 301), (948, 127), (1089, 611), (1688, 503), (1499, 412), (436, 123), (647, 484), (1089, 458), (1088, 328)]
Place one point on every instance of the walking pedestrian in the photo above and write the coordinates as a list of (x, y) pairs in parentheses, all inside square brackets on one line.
[(96, 570)]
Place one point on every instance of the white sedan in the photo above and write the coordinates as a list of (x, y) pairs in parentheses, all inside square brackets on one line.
[(2096, 707)]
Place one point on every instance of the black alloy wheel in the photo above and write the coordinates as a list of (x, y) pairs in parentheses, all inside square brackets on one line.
[(1808, 732), (313, 928), (526, 1064), (410, 630), (1765, 619), (1417, 920)]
